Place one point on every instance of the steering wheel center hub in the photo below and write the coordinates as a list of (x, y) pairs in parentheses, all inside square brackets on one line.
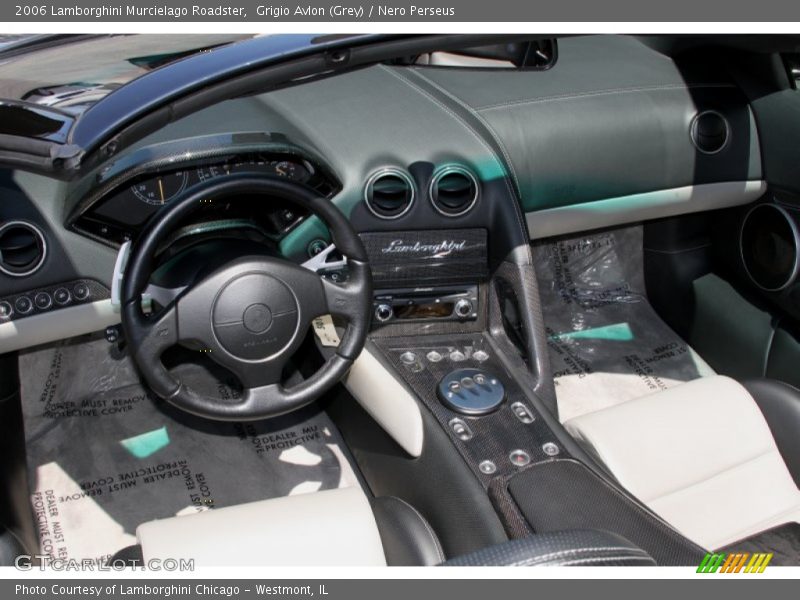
[(255, 316)]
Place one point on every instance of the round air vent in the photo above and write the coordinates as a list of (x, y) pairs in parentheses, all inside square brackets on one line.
[(22, 248), (769, 245), (454, 191), (710, 132), (389, 193)]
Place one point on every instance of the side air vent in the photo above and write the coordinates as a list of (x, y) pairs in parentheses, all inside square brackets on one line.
[(710, 132), (454, 191), (22, 248), (389, 193)]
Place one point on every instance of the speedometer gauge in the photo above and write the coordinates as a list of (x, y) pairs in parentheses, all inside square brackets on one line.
[(161, 189)]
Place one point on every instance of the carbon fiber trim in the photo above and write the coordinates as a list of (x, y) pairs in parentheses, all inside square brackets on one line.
[(419, 258), (564, 494), (494, 436)]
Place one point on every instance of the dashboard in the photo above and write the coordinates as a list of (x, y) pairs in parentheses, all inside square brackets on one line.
[(131, 191)]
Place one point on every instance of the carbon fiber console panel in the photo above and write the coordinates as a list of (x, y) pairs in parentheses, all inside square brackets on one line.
[(564, 494), (492, 438), (427, 257)]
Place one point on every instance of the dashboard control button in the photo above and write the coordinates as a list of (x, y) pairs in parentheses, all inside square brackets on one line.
[(383, 312), (23, 305), (480, 356), (551, 449), (522, 413), (455, 387), (457, 356), (81, 291), (408, 358), (43, 300), (463, 308), (468, 383), (487, 467), (434, 356), (5, 310), (62, 296), (519, 458), (480, 379), (461, 429)]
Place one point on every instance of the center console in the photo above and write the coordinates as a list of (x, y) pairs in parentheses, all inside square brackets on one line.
[(461, 330)]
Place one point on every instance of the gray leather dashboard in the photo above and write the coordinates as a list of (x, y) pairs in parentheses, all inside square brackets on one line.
[(611, 120)]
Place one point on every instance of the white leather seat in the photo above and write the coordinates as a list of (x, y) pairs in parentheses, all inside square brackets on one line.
[(700, 455), (328, 528)]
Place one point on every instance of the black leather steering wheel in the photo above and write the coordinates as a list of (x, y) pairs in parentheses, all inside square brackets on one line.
[(250, 315)]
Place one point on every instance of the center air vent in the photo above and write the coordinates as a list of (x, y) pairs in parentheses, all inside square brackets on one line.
[(454, 191), (22, 248), (389, 193)]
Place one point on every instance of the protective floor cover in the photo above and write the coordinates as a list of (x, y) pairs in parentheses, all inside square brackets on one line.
[(104, 456), (607, 344)]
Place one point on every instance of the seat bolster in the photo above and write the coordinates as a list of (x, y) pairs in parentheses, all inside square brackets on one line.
[(780, 404), (328, 528), (700, 455), (408, 539)]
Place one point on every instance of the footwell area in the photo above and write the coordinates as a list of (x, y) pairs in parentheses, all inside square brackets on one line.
[(607, 344), (104, 456)]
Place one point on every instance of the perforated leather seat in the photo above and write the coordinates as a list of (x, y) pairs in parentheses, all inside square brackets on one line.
[(716, 459)]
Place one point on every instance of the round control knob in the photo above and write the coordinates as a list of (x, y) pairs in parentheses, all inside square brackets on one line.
[(43, 300), (463, 308), (383, 312), (23, 305)]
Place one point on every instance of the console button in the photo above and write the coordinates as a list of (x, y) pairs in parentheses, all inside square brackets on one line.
[(408, 358), (480, 379), (62, 296), (457, 356), (461, 429), (43, 300), (23, 305), (519, 458), (551, 449), (383, 312), (80, 291), (480, 355), (434, 356), (5, 310), (487, 467), (522, 413)]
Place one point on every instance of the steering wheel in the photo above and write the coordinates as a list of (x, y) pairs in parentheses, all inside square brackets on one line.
[(250, 315)]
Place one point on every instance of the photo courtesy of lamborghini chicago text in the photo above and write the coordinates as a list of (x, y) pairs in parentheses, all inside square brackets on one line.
[(400, 300)]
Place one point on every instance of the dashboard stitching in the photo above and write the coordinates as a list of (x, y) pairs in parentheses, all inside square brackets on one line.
[(608, 92), (466, 126)]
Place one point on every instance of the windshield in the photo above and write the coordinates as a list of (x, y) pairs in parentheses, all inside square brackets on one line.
[(74, 76)]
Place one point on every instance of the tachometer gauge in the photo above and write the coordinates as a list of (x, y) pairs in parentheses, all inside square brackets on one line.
[(162, 188)]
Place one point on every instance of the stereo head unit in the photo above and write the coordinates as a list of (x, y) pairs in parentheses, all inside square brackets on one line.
[(426, 303)]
